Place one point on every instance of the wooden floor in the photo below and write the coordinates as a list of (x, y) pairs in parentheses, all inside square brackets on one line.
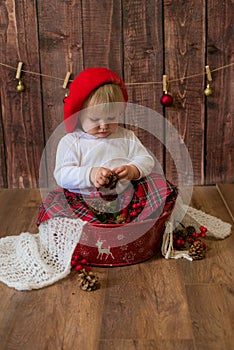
[(159, 304)]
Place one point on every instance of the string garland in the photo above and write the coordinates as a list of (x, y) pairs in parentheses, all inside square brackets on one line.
[(166, 99)]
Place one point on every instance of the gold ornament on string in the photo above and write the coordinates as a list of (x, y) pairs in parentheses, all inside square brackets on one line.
[(20, 87)]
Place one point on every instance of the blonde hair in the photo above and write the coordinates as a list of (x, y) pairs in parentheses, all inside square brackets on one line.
[(107, 93)]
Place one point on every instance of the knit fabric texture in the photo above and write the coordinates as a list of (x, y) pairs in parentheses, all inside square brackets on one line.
[(32, 261)]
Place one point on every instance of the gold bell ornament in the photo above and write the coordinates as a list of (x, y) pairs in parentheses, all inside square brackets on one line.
[(20, 87)]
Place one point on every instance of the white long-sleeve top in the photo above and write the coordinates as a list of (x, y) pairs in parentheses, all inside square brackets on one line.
[(79, 152)]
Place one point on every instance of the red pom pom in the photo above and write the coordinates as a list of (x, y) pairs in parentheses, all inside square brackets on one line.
[(166, 100)]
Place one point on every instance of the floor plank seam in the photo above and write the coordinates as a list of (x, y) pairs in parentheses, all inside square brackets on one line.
[(224, 202)]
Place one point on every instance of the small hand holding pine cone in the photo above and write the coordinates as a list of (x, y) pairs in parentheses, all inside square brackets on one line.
[(88, 281), (197, 250)]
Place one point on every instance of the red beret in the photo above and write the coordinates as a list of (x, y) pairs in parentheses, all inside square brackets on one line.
[(80, 89)]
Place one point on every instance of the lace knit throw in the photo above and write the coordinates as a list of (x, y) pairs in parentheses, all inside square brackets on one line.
[(32, 261)]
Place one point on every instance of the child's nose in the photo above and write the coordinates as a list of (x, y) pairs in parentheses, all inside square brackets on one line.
[(103, 124)]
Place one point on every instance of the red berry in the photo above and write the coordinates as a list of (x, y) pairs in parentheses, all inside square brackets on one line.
[(133, 213), (75, 257), (83, 261), (125, 212), (203, 235), (73, 263), (194, 234), (203, 229), (79, 267), (178, 242), (197, 235), (190, 240), (182, 242), (134, 205), (204, 245)]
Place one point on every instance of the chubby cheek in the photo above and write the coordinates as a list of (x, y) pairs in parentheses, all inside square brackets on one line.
[(90, 128), (113, 126)]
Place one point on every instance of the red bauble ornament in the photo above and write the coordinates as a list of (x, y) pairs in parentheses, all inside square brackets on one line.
[(166, 100)]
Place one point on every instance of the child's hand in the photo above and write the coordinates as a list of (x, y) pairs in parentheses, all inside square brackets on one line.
[(100, 176), (128, 172)]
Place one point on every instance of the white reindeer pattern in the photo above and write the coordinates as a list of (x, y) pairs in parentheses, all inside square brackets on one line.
[(102, 251)]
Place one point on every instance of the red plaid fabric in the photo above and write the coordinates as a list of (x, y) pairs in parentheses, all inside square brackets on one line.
[(154, 194)]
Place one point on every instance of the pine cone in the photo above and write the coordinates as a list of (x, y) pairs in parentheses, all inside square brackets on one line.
[(196, 251), (88, 281), (99, 206), (113, 179), (120, 219)]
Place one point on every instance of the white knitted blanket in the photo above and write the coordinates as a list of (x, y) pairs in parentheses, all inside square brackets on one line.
[(31, 261)]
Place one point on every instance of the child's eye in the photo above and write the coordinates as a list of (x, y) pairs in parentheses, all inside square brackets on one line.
[(94, 119), (112, 118)]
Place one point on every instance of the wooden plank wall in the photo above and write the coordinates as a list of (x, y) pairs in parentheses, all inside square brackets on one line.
[(140, 40)]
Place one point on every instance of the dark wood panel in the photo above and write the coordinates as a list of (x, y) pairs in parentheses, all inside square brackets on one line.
[(3, 169), (60, 36), (137, 39), (21, 116), (102, 34), (220, 108), (143, 62), (184, 27)]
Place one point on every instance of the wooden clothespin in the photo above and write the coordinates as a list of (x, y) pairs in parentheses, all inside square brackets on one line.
[(208, 90), (66, 81)]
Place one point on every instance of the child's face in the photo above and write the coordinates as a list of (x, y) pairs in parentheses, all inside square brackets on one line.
[(99, 125)]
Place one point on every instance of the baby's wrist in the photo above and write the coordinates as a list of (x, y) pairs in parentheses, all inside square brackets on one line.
[(135, 172)]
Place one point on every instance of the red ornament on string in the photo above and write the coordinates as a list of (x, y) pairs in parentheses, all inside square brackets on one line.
[(166, 100)]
